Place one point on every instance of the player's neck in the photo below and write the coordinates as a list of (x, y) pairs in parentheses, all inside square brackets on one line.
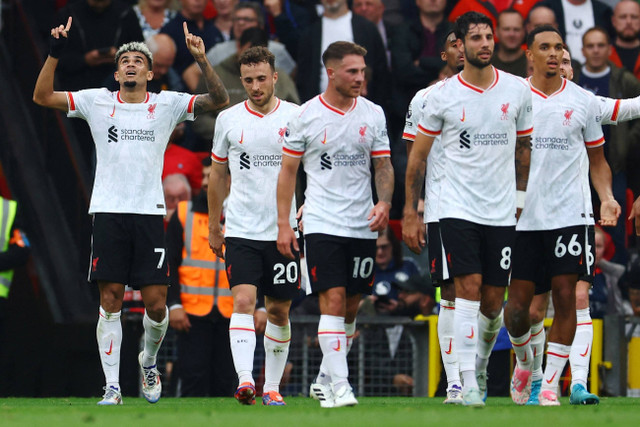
[(337, 100), (546, 84), (266, 108), (134, 95), (479, 77)]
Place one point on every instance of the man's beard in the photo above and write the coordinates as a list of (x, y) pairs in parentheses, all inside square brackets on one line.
[(130, 84), (628, 37), (477, 62)]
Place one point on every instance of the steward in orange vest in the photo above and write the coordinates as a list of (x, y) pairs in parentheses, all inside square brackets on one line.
[(200, 304)]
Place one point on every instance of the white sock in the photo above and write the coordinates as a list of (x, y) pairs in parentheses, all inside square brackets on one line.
[(333, 343), (109, 336), (350, 330), (242, 335), (488, 330), (465, 322), (154, 333), (557, 356), (538, 337), (522, 348), (276, 348), (447, 342), (580, 355)]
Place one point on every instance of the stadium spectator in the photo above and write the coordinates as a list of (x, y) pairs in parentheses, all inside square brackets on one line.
[(179, 160), (246, 14), (229, 72), (633, 280), (575, 17), (288, 18), (199, 300), (605, 297), (391, 267), (153, 15), (337, 245), (191, 13), (127, 200), (176, 189), (625, 49), (540, 15), (338, 23), (164, 50), (607, 80), (491, 8), (415, 53), (373, 10), (224, 17), (509, 55)]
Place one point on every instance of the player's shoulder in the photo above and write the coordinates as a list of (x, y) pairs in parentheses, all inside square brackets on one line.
[(579, 92), (369, 107), (102, 92), (288, 107), (513, 80), (232, 113), (309, 109), (169, 96)]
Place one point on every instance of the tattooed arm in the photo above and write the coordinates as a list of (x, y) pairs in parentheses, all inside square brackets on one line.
[(217, 98), (384, 190), (416, 167), (523, 161)]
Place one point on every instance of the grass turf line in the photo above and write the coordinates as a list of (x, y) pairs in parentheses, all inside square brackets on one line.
[(302, 411)]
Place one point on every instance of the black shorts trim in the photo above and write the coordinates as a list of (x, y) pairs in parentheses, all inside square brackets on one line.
[(438, 266)]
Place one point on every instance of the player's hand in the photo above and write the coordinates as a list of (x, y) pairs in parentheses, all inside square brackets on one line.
[(59, 38), (260, 321), (379, 216), (216, 240), (299, 219), (413, 231), (179, 320), (609, 212), (286, 241), (635, 214), (194, 43)]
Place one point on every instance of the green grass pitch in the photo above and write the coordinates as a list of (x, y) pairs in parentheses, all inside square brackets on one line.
[(302, 411)]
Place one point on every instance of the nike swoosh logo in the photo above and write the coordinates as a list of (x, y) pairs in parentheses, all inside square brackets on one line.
[(113, 112), (585, 352), (549, 381), (490, 339), (449, 351), (241, 138), (472, 334), (108, 353), (535, 351), (159, 341), (338, 347), (463, 115), (324, 140), (525, 357)]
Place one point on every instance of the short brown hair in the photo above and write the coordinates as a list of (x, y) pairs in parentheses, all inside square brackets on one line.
[(256, 55), (338, 50)]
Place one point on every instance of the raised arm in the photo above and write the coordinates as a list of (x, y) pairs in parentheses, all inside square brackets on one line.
[(601, 179), (216, 194), (43, 93), (416, 167), (217, 98), (286, 187), (379, 215)]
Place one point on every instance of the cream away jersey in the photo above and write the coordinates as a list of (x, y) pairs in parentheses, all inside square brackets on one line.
[(614, 111), (566, 124), (251, 143), (478, 130), (336, 149), (435, 160), (130, 142)]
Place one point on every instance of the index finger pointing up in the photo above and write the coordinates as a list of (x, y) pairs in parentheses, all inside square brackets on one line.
[(68, 24), (184, 27)]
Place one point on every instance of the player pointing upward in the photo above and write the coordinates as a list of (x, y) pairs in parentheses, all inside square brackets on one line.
[(131, 129)]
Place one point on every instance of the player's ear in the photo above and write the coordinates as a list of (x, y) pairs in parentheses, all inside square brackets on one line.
[(275, 77), (116, 76), (149, 75)]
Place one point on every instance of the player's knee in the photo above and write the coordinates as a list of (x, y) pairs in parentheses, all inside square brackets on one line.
[(448, 292), (582, 299), (244, 304)]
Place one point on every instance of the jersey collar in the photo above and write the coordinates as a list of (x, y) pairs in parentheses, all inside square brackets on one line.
[(476, 88), (259, 114), (544, 95), (336, 110), (146, 99)]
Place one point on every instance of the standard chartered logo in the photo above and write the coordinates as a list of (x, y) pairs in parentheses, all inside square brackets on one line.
[(342, 160), (551, 143), (260, 160), (130, 135)]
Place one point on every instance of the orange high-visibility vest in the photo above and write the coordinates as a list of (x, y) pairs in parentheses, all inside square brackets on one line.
[(203, 279)]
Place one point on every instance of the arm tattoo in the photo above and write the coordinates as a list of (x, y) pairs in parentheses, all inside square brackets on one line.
[(217, 97), (416, 185), (384, 178), (523, 161)]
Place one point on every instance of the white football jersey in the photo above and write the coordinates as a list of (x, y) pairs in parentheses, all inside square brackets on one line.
[(130, 142), (336, 149), (251, 143), (435, 159), (478, 130), (614, 111), (566, 124)]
